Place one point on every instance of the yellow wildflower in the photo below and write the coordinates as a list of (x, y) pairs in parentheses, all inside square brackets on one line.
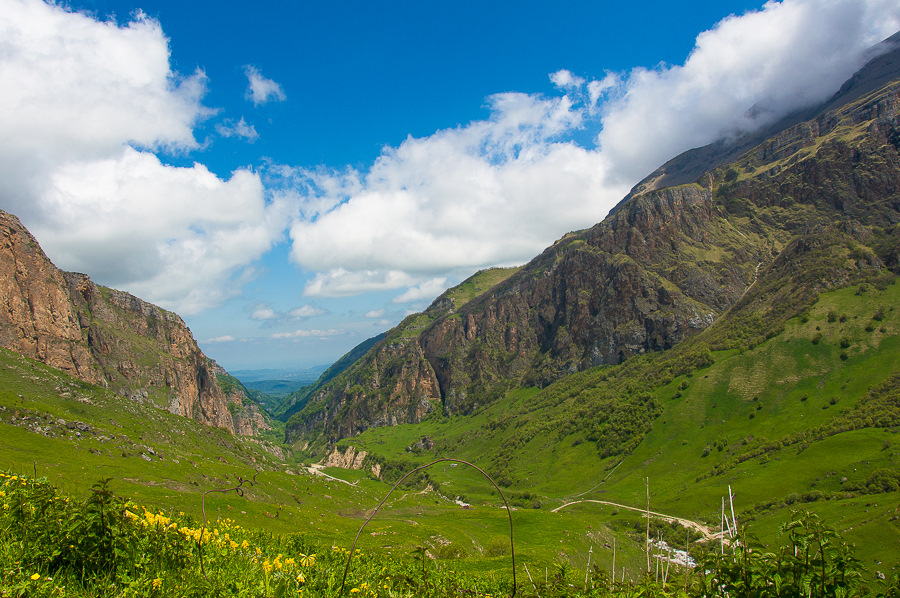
[(157, 583), (354, 591), (307, 560), (36, 577)]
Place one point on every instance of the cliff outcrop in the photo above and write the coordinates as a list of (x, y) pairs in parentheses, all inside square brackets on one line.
[(104, 336)]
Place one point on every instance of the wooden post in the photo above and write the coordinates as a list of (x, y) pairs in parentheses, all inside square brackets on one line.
[(587, 571), (722, 527), (733, 520), (613, 578), (647, 482)]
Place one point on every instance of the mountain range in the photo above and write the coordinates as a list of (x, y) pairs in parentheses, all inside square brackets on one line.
[(730, 324), (744, 233)]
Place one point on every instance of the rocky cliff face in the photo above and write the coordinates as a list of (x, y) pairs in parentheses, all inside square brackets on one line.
[(807, 209), (103, 336)]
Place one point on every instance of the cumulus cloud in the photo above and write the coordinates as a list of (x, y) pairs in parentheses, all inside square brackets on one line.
[(564, 79), (307, 311), (75, 88), (263, 314), (307, 333), (85, 106), (221, 339), (496, 192), (427, 290), (261, 90), (338, 282), (231, 128), (174, 236)]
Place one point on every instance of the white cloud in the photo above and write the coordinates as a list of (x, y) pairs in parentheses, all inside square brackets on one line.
[(427, 290), (338, 282), (261, 90), (596, 89), (564, 79), (179, 237), (375, 313), (307, 333), (498, 191), (307, 311), (263, 313), (84, 105), (241, 128), (76, 89), (221, 339), (493, 192)]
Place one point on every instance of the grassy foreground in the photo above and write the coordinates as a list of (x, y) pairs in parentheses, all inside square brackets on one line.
[(104, 545)]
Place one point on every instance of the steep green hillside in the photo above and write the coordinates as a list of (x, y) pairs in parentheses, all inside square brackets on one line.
[(811, 208), (73, 434), (806, 419)]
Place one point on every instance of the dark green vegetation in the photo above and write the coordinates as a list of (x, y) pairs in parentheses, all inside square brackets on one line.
[(104, 545)]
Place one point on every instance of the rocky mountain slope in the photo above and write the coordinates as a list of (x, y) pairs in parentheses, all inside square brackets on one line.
[(109, 338), (756, 236)]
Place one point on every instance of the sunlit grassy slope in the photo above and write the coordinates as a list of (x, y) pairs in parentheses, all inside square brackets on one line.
[(802, 420), (743, 421), (167, 462)]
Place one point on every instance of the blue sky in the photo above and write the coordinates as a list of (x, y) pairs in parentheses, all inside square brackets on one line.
[(295, 177)]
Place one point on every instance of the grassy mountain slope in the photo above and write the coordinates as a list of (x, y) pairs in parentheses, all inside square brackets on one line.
[(787, 392), (73, 434), (812, 208), (806, 419)]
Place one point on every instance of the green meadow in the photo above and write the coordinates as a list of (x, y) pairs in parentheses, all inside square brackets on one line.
[(803, 422)]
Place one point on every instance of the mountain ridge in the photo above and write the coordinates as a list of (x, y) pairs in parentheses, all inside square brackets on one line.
[(692, 164), (663, 266)]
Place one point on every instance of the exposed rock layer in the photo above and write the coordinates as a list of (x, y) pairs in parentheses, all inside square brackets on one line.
[(104, 336)]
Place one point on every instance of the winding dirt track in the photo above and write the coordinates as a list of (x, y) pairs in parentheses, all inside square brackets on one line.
[(699, 527), (316, 469)]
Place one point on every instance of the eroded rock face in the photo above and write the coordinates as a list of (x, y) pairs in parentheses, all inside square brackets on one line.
[(349, 459), (100, 335), (398, 386), (37, 317), (627, 286)]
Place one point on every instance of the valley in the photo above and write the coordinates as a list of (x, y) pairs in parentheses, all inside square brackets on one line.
[(720, 353)]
